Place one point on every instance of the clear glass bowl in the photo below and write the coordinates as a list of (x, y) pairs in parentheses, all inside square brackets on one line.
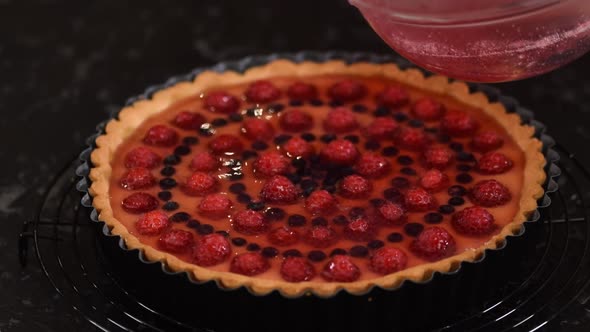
[(483, 40)]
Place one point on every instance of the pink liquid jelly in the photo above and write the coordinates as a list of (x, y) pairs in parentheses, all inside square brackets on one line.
[(483, 40)]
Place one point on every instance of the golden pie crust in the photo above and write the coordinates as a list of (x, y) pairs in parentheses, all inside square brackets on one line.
[(117, 130)]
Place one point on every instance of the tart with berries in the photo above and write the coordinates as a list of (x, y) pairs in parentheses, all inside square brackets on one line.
[(315, 177)]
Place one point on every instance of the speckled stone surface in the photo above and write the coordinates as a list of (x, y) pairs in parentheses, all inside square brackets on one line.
[(65, 65)]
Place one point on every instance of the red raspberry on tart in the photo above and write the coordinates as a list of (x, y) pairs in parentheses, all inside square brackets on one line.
[(355, 187), (486, 141), (412, 139), (297, 269), (459, 124), (340, 152), (152, 223), (249, 264), (434, 243), (139, 203), (221, 102), (302, 91), (434, 180), (306, 178), (473, 220), (142, 157), (439, 157), (295, 121), (428, 109), (297, 147), (137, 178), (279, 190), (342, 269), (189, 120), (393, 97), (381, 129), (494, 163), (262, 92), (257, 129), (271, 163), (489, 193), (211, 249), (161, 135), (388, 260), (347, 90), (204, 162), (321, 202), (176, 241), (340, 120), (200, 184), (371, 165)]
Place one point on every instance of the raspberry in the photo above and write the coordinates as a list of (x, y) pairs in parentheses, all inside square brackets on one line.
[(160, 135), (298, 147), (489, 193), (341, 269), (434, 243), (257, 129), (279, 190), (473, 220), (438, 157), (189, 120), (297, 269), (388, 260), (199, 184), (371, 165), (283, 236), (320, 236), (393, 97), (142, 157), (340, 120), (215, 205), (355, 187), (271, 163), (295, 121), (152, 223), (494, 163), (392, 213), (221, 102), (412, 138), (360, 230), (250, 222), (347, 90), (176, 240), (249, 264), (418, 199), (204, 162), (139, 203), (320, 202), (302, 91), (457, 123), (381, 129), (340, 152), (262, 92), (225, 143), (137, 178), (486, 141), (211, 249), (427, 109), (434, 180)]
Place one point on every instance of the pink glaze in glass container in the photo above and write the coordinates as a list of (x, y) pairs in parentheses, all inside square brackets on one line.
[(483, 40)]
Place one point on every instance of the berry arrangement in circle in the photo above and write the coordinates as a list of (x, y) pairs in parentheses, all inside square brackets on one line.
[(335, 181)]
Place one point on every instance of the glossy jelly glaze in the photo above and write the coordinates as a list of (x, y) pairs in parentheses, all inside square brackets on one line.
[(233, 168)]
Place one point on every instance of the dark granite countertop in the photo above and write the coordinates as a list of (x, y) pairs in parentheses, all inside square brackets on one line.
[(65, 64)]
